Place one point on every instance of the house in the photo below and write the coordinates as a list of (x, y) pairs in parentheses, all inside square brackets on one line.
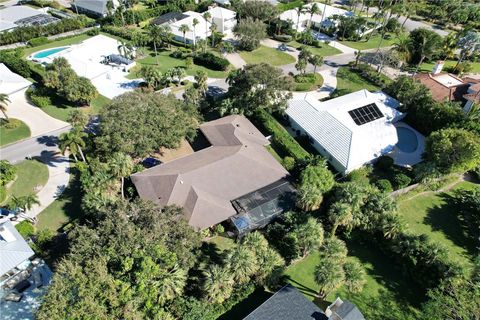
[(235, 178), (23, 281), (94, 8), (224, 20), (287, 304), (322, 19), (349, 131), (343, 310), (448, 87), (11, 82), (23, 16)]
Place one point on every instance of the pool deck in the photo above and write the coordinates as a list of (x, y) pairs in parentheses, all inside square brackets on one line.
[(408, 159)]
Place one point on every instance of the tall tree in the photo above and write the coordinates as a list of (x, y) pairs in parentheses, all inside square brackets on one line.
[(195, 22), (250, 32), (184, 28), (201, 78), (218, 283), (309, 236), (313, 9), (425, 43), (469, 45), (314, 180), (207, 16), (24, 202), (315, 60), (155, 35), (73, 140), (354, 276), (328, 276), (4, 101), (339, 214), (243, 264), (121, 166)]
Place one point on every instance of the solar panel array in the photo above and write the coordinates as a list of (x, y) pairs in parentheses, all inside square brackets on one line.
[(365, 114), (37, 20)]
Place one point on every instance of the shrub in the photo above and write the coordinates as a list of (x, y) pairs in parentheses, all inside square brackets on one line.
[(384, 185), (7, 172), (305, 78), (38, 41), (218, 229), (93, 32), (360, 175), (13, 60), (384, 163), (401, 180), (25, 228), (283, 37), (211, 61), (41, 101), (288, 163)]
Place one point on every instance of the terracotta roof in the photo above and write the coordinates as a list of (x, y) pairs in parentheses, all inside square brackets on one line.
[(205, 182), (439, 91)]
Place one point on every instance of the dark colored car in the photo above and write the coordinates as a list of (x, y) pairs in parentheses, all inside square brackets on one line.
[(7, 213), (150, 162)]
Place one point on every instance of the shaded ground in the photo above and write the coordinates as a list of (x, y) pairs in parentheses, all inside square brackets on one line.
[(13, 131)]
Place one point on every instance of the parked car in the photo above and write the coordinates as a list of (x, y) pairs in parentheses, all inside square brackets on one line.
[(7, 213), (150, 162)]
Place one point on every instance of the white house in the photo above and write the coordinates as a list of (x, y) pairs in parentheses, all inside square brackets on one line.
[(224, 19), (349, 131), (300, 23), (11, 82), (14, 250)]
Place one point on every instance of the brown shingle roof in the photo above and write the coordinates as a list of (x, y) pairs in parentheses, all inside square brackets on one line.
[(439, 91), (205, 182)]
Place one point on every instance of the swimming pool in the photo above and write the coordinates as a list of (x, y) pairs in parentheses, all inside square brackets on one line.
[(46, 53), (407, 140)]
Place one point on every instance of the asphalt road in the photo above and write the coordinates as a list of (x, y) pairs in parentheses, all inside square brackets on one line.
[(34, 147)]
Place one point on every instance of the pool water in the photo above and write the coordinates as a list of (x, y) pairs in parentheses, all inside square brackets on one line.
[(49, 52), (407, 140)]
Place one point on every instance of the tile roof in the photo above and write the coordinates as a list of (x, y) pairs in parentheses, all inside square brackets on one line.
[(441, 92), (205, 182)]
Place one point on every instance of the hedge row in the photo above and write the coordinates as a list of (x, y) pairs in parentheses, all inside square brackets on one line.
[(281, 139), (211, 61)]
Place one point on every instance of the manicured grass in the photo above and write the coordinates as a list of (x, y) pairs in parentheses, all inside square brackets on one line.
[(349, 81), (18, 131), (166, 62), (370, 44), (386, 288), (434, 214), (274, 153), (61, 110), (222, 243), (30, 177), (289, 5), (59, 43), (428, 66), (324, 51), (268, 55), (309, 86), (63, 210)]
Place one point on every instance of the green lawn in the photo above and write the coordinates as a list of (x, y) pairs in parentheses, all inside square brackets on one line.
[(166, 62), (370, 44), (386, 294), (428, 66), (268, 55), (63, 210), (59, 43), (8, 134), (434, 214), (309, 86), (222, 243), (30, 177), (349, 81), (325, 50), (289, 5), (61, 110)]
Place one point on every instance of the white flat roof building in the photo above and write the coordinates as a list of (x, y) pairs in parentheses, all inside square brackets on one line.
[(15, 16), (326, 12), (349, 131), (11, 82)]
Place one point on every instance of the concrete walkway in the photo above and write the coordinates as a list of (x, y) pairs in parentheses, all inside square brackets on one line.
[(329, 75), (38, 121), (236, 60)]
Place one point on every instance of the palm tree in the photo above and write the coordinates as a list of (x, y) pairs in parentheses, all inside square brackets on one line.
[(426, 47), (201, 78), (184, 29), (314, 9), (242, 263), (207, 16), (195, 22), (315, 60), (73, 141), (218, 283), (4, 101), (358, 55), (335, 249), (309, 198), (202, 45), (171, 284), (339, 214), (155, 34), (354, 276), (255, 241), (403, 47), (449, 45), (125, 49), (299, 10), (213, 29), (329, 275), (25, 202), (121, 165)]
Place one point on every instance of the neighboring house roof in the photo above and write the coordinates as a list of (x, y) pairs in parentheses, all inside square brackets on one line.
[(343, 310), (317, 18), (169, 17), (287, 304), (97, 6), (205, 182), (332, 124), (13, 248), (14, 16), (11, 82), (444, 86), (222, 13)]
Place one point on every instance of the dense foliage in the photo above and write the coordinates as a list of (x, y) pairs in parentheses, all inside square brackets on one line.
[(315, 181), (211, 61), (7, 172), (138, 124), (13, 59), (250, 32)]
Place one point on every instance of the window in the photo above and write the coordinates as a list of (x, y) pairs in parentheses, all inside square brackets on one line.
[(366, 114)]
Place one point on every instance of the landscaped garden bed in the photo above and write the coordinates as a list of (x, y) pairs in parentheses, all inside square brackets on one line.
[(307, 82)]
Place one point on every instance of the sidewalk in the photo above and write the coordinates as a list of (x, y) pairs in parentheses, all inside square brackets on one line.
[(329, 85), (236, 60)]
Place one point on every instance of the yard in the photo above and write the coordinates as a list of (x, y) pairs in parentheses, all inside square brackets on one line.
[(349, 81), (434, 214), (386, 295), (268, 55), (30, 177), (325, 50), (13, 131), (314, 82), (58, 43), (372, 43), (428, 66), (165, 62)]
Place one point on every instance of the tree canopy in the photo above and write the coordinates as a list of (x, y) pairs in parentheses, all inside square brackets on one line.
[(140, 123), (250, 31)]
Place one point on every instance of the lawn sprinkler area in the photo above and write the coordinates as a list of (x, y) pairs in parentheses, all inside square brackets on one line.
[(97, 59)]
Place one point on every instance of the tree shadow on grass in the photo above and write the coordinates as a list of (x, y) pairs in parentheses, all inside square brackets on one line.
[(307, 291), (246, 306), (447, 219)]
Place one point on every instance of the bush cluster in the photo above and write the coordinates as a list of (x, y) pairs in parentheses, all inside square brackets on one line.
[(39, 98), (211, 61), (13, 60), (280, 137), (37, 41), (283, 37)]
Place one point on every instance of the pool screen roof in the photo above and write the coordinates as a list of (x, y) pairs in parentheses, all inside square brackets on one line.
[(256, 209), (365, 114)]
